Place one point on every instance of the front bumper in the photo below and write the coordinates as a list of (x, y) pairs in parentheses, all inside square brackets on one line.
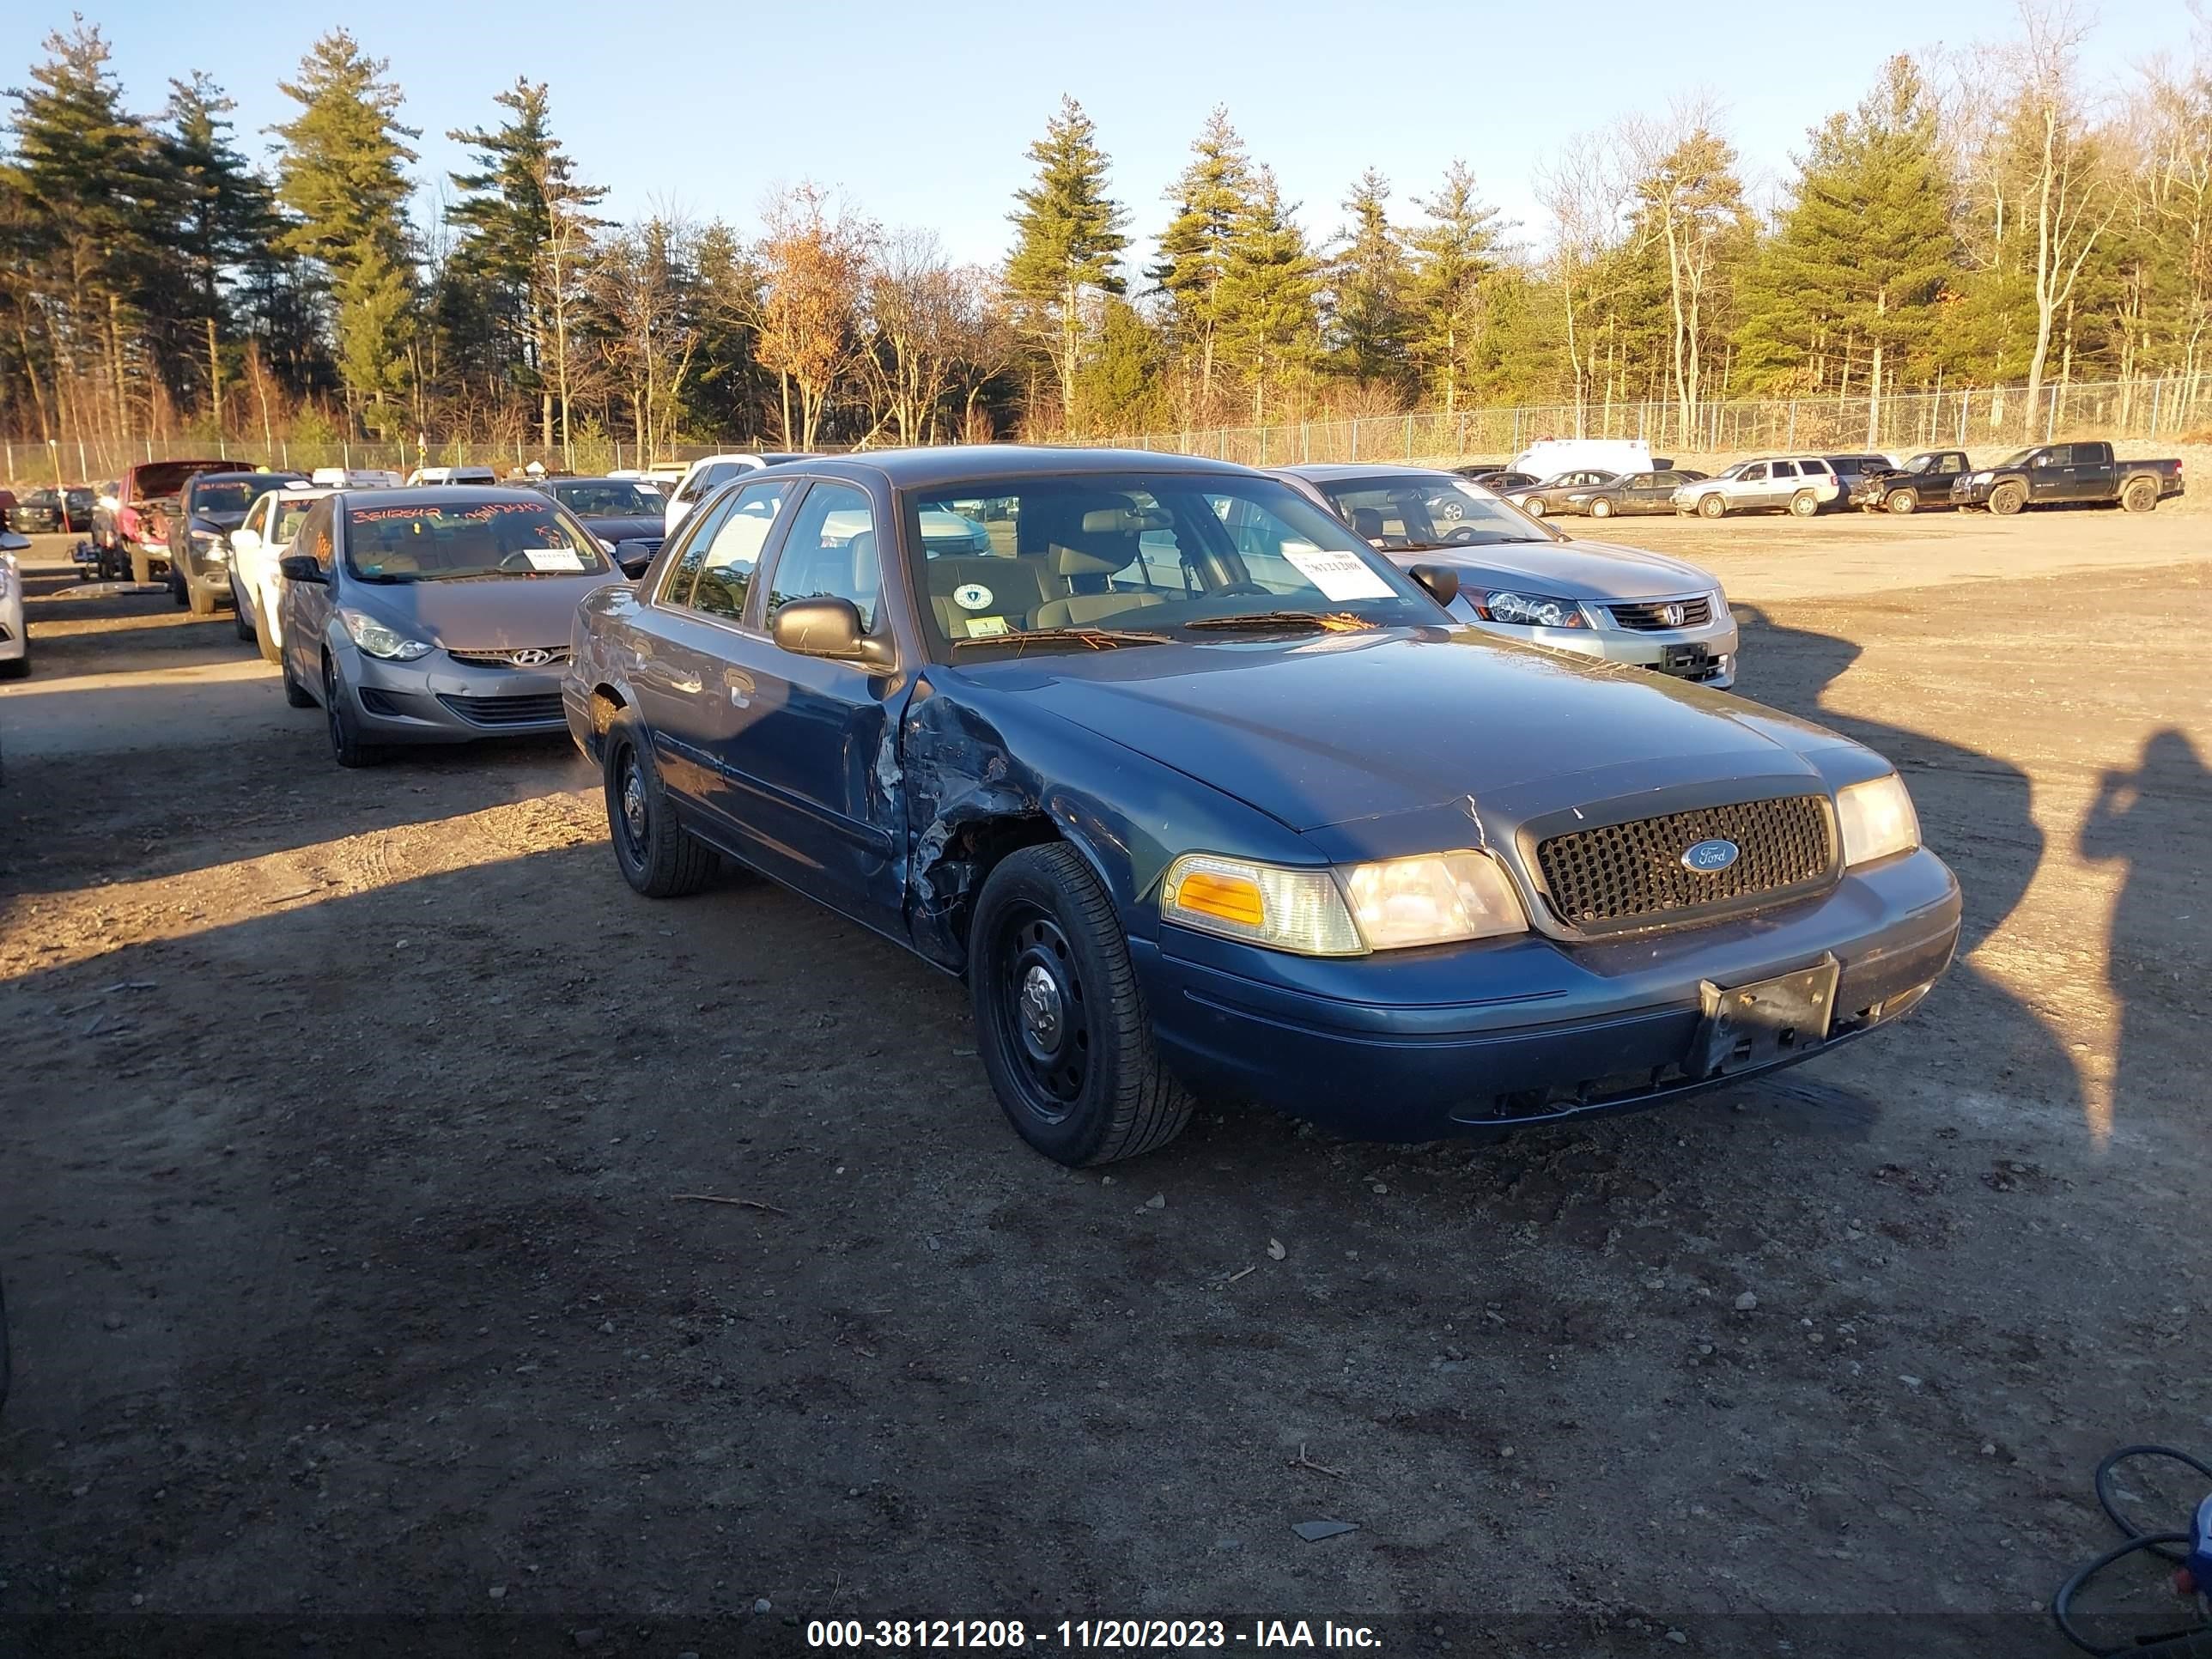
[(1476, 1040), (438, 700), (1706, 656), (207, 575)]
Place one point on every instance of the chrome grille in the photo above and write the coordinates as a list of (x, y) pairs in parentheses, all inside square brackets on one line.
[(505, 711), (1651, 616), (554, 657), (1625, 875)]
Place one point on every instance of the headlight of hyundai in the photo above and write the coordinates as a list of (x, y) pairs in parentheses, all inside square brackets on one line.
[(1877, 820), (379, 639), (1528, 610), (1438, 898)]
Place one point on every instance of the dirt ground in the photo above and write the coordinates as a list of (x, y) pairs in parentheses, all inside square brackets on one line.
[(347, 1117)]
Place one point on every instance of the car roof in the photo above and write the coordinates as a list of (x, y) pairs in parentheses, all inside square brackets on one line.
[(1328, 471), (242, 472), (956, 464)]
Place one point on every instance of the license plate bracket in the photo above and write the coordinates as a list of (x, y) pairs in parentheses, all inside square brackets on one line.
[(1746, 1026), (1685, 659)]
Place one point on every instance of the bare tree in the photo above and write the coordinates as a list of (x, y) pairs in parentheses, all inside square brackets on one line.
[(1688, 201), (911, 302), (640, 280), (562, 255), (814, 263), (1586, 193)]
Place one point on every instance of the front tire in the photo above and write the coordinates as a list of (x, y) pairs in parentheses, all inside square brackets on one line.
[(240, 620), (1060, 1020), (657, 856), (2141, 495), (347, 748), (1902, 501), (2008, 499), (1534, 507), (1710, 506)]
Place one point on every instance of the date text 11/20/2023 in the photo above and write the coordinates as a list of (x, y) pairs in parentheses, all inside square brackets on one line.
[(1087, 1633)]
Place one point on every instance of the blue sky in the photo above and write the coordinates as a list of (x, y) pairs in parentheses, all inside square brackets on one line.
[(919, 113)]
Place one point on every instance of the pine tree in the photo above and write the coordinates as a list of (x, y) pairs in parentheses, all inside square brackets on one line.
[(1067, 241), (97, 196), (1370, 290), (1214, 190), (1453, 251), (1868, 242), (226, 216), (340, 176), (1267, 306)]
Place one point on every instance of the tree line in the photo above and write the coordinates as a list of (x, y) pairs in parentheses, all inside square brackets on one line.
[(1976, 221)]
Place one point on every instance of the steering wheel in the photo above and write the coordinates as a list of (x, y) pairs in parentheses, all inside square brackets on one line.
[(1461, 534), (1240, 587), (509, 563)]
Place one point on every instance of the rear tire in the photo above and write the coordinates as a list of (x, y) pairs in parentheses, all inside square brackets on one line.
[(1710, 506), (657, 856), (1902, 501), (17, 668), (2007, 498), (1602, 507), (1060, 1020), (1804, 504), (1534, 507), (2140, 495)]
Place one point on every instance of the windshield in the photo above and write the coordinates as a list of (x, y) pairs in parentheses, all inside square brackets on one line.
[(1924, 463), (1399, 513), (229, 495), (1139, 558), (609, 498), (1736, 471), (450, 541)]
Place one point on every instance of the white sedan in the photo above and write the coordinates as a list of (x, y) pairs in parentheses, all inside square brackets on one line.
[(257, 587), (15, 643)]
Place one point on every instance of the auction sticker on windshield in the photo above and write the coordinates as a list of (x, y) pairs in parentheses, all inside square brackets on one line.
[(554, 558), (1339, 575)]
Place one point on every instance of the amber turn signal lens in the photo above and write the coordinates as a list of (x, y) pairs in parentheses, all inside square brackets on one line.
[(1229, 898)]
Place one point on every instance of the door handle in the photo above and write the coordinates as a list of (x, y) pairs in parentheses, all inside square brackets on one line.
[(654, 670), (740, 685)]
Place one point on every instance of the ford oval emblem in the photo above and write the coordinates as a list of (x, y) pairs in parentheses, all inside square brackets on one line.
[(1709, 858)]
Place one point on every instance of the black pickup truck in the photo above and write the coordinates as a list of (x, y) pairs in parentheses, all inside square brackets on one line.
[(1925, 480), (2058, 474)]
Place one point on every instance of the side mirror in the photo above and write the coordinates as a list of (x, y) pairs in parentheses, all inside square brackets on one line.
[(303, 567), (827, 628), (1441, 579), (634, 556), (242, 539)]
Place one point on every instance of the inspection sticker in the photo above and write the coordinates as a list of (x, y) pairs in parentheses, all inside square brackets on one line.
[(971, 595), (554, 558), (1339, 575), (985, 628)]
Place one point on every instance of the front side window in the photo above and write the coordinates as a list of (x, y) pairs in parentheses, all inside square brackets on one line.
[(1754, 473), (1068, 563), (456, 541), (831, 553), (315, 535), (732, 554)]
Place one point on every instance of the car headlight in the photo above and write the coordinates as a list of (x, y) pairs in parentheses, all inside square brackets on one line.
[(1437, 899), (378, 639), (1877, 820), (209, 545), (1530, 610)]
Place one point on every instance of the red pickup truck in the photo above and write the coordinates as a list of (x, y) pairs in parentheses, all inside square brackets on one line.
[(138, 547)]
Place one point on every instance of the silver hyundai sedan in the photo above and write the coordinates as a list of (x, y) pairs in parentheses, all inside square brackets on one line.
[(1521, 579), (434, 614)]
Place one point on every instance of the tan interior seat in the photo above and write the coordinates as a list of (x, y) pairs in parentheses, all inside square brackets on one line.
[(1016, 590), (1078, 608)]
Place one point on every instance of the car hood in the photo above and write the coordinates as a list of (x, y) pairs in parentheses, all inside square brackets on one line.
[(482, 613), (1344, 728), (627, 528), (222, 521), (1574, 569)]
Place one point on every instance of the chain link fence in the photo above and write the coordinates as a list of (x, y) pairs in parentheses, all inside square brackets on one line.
[(1978, 417), (1982, 418)]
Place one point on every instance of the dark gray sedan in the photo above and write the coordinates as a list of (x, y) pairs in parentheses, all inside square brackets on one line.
[(434, 614)]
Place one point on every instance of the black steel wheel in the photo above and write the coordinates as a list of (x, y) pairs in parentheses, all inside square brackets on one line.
[(1059, 1020), (657, 856)]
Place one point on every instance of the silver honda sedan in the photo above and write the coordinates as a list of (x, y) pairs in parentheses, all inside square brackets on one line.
[(434, 614), (1521, 579)]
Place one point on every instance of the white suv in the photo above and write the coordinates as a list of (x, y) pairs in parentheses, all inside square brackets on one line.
[(703, 476), (1801, 484)]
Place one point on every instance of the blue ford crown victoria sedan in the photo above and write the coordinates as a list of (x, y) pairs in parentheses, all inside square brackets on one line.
[(1200, 794)]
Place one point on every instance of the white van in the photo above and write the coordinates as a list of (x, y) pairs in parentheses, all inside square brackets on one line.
[(1548, 458)]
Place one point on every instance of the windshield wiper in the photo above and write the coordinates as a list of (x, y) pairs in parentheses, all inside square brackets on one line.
[(1098, 638), (1332, 621)]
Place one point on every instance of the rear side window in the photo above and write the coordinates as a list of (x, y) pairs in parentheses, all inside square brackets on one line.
[(1785, 469), (726, 574)]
